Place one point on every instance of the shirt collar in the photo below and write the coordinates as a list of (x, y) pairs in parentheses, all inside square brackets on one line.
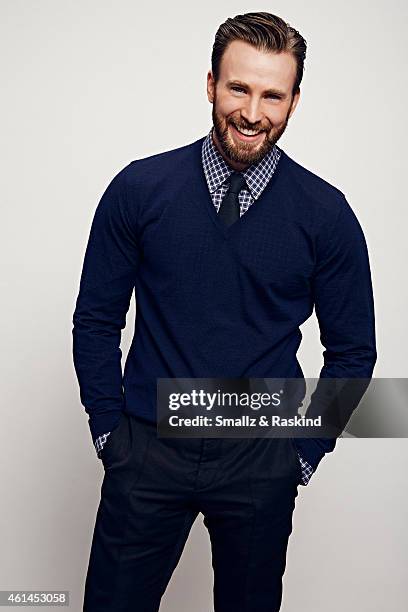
[(217, 170)]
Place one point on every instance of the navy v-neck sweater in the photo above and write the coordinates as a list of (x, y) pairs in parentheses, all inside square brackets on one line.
[(212, 300)]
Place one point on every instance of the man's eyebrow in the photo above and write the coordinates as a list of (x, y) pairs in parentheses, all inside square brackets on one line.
[(274, 91)]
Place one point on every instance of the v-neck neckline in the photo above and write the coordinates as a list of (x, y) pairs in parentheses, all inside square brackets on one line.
[(201, 191)]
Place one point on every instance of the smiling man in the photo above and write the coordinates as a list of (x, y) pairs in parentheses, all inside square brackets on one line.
[(229, 245), (250, 113)]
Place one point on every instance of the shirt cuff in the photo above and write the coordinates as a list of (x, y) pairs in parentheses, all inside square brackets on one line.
[(100, 442), (307, 470)]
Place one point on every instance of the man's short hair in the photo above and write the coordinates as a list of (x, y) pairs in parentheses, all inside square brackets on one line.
[(264, 31)]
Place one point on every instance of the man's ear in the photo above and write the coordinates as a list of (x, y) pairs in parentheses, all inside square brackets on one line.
[(295, 101), (210, 86)]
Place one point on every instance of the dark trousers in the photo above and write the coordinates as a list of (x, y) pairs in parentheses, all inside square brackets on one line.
[(152, 492)]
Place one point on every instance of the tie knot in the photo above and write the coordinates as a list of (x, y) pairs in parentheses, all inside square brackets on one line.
[(237, 182)]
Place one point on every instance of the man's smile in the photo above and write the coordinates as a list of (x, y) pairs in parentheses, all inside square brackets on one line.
[(245, 135)]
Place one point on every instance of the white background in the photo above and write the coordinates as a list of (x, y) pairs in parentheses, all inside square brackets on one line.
[(88, 87)]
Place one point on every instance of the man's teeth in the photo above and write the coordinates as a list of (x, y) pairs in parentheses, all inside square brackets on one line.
[(248, 132)]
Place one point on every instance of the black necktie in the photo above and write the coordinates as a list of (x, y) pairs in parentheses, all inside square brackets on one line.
[(229, 209)]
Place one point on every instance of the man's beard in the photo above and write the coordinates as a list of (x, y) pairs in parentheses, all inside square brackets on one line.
[(245, 153)]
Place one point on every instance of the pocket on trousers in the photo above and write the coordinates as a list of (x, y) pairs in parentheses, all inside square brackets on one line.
[(297, 464)]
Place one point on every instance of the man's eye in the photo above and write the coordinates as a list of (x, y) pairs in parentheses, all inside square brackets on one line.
[(239, 89)]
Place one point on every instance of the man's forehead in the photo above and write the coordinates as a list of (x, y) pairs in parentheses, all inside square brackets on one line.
[(243, 62)]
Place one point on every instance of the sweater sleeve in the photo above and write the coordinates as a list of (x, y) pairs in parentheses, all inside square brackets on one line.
[(105, 290), (344, 306)]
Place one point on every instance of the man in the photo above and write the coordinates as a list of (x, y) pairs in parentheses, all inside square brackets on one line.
[(229, 244)]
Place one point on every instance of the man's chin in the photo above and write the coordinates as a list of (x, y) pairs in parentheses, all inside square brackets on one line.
[(246, 153), (243, 155)]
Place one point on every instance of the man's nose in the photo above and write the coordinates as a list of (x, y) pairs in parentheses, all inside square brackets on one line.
[(251, 112)]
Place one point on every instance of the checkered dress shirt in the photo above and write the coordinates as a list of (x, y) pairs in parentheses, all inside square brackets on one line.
[(256, 177)]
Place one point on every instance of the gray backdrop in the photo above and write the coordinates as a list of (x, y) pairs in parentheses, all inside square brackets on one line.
[(90, 86)]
